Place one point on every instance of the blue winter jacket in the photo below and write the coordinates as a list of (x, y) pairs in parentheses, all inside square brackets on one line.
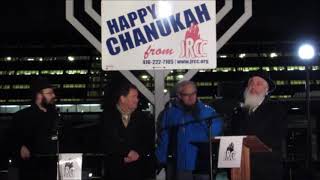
[(186, 152)]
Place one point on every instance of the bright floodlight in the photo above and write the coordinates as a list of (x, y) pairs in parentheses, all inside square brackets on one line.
[(273, 55), (180, 76), (242, 55), (164, 9), (306, 52), (144, 76), (70, 58)]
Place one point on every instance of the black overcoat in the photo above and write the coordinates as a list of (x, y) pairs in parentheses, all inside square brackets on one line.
[(117, 140), (34, 129), (268, 123)]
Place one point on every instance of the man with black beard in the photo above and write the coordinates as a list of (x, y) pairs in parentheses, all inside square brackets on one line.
[(182, 124), (266, 119), (33, 132)]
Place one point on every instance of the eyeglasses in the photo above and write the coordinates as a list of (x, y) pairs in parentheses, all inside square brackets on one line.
[(188, 94)]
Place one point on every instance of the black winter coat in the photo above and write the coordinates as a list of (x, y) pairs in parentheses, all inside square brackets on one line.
[(117, 140), (268, 123), (34, 129)]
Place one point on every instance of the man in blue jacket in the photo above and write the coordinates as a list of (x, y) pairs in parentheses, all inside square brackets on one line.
[(179, 131)]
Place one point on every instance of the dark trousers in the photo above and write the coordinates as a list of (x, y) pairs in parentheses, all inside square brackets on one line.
[(38, 169), (266, 167), (115, 169), (188, 175)]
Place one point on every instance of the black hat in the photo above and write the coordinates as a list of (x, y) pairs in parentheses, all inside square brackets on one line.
[(40, 83), (264, 75)]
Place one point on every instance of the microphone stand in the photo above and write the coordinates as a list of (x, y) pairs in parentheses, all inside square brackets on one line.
[(209, 124), (58, 152), (193, 122), (56, 138)]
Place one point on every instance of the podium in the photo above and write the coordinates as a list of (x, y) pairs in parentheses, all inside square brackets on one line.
[(251, 144)]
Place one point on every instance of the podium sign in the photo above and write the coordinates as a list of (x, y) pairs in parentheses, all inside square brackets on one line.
[(70, 166), (230, 151)]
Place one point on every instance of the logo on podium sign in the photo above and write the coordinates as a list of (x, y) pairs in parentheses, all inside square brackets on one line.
[(230, 151), (70, 166)]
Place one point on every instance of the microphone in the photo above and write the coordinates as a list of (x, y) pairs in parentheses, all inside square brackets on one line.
[(171, 101), (213, 117), (59, 122), (58, 112), (57, 125), (239, 107)]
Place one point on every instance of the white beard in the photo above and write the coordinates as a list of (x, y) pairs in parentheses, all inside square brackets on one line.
[(252, 101)]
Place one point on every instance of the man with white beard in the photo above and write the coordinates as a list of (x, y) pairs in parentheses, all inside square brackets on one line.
[(265, 119), (255, 92)]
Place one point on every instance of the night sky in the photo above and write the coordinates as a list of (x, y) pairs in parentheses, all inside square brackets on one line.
[(43, 22)]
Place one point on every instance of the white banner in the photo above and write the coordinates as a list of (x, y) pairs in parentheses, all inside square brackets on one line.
[(140, 35), (70, 166), (230, 151)]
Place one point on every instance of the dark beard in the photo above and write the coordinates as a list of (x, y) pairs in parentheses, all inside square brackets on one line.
[(48, 106)]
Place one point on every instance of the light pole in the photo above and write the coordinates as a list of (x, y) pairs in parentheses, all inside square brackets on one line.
[(306, 53)]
